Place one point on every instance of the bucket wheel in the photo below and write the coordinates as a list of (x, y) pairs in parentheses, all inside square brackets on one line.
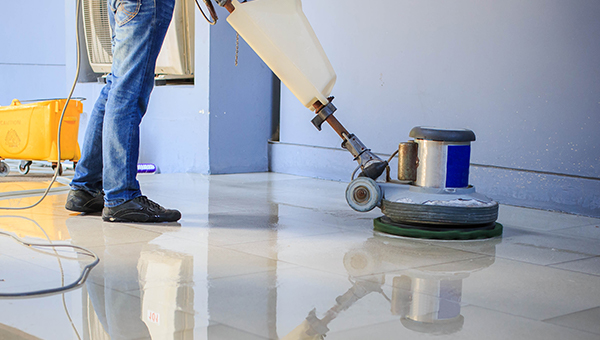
[(60, 168), (363, 194), (24, 167), (4, 169)]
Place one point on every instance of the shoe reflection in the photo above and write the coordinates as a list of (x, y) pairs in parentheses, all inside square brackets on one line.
[(138, 291)]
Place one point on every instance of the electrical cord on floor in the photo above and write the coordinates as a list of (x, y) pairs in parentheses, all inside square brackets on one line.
[(62, 289), (75, 284), (80, 281)]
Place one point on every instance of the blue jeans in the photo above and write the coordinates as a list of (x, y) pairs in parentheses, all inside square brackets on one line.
[(110, 149)]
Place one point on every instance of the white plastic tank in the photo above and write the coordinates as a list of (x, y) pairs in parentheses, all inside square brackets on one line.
[(279, 32)]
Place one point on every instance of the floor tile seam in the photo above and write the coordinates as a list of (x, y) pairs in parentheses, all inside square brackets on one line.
[(563, 232), (516, 237), (57, 270), (567, 327), (546, 265), (546, 211), (145, 226), (574, 271), (311, 208), (227, 245), (503, 257), (581, 311), (571, 261), (282, 239), (221, 323), (537, 230), (300, 266), (531, 318), (112, 245), (549, 266), (122, 291), (578, 225), (32, 193), (583, 225), (575, 237), (63, 275), (291, 266), (463, 250), (222, 277), (549, 248), (509, 314), (481, 256), (365, 326)]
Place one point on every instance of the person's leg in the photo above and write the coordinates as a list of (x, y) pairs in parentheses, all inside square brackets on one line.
[(88, 173), (140, 27), (139, 30), (86, 194)]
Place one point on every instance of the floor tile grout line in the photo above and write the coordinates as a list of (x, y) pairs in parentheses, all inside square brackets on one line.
[(567, 327), (525, 317), (580, 311), (570, 261), (126, 292), (586, 256), (540, 231), (481, 256), (290, 238), (576, 227), (276, 270), (218, 322), (364, 327), (575, 271), (525, 262)]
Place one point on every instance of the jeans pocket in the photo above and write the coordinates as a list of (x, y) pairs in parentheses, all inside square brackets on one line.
[(125, 10)]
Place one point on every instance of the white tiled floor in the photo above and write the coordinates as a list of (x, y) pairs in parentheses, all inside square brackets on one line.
[(272, 256)]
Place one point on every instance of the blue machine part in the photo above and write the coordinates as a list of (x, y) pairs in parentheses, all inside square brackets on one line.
[(457, 166)]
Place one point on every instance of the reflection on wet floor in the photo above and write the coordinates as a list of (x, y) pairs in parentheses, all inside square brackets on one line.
[(269, 256)]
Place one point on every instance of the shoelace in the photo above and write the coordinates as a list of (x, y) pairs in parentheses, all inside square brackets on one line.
[(150, 203)]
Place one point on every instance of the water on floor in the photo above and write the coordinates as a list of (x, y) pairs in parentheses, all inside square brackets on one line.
[(272, 256)]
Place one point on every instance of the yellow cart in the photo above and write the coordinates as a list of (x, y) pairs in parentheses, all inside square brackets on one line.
[(28, 132)]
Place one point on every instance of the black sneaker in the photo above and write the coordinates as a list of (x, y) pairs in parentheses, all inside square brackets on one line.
[(85, 202), (140, 209)]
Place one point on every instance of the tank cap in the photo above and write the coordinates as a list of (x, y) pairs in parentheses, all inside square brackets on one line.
[(442, 135)]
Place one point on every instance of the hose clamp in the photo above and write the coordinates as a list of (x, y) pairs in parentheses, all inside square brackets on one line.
[(323, 114)]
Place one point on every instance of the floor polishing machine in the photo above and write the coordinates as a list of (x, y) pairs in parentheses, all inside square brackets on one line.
[(432, 197)]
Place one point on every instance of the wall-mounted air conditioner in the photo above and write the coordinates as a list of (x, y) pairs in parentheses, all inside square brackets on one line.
[(176, 59)]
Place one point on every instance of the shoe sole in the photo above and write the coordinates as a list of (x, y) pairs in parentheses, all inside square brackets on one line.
[(125, 220), (82, 209)]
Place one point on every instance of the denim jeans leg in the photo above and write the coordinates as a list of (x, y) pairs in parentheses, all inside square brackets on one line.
[(139, 30), (88, 173)]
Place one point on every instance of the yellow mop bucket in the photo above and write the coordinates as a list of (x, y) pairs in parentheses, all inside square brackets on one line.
[(29, 131)]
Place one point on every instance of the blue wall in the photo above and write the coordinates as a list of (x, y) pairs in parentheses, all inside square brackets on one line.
[(32, 45), (240, 104)]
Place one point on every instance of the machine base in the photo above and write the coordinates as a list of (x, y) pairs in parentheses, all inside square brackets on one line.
[(413, 205), (447, 232)]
